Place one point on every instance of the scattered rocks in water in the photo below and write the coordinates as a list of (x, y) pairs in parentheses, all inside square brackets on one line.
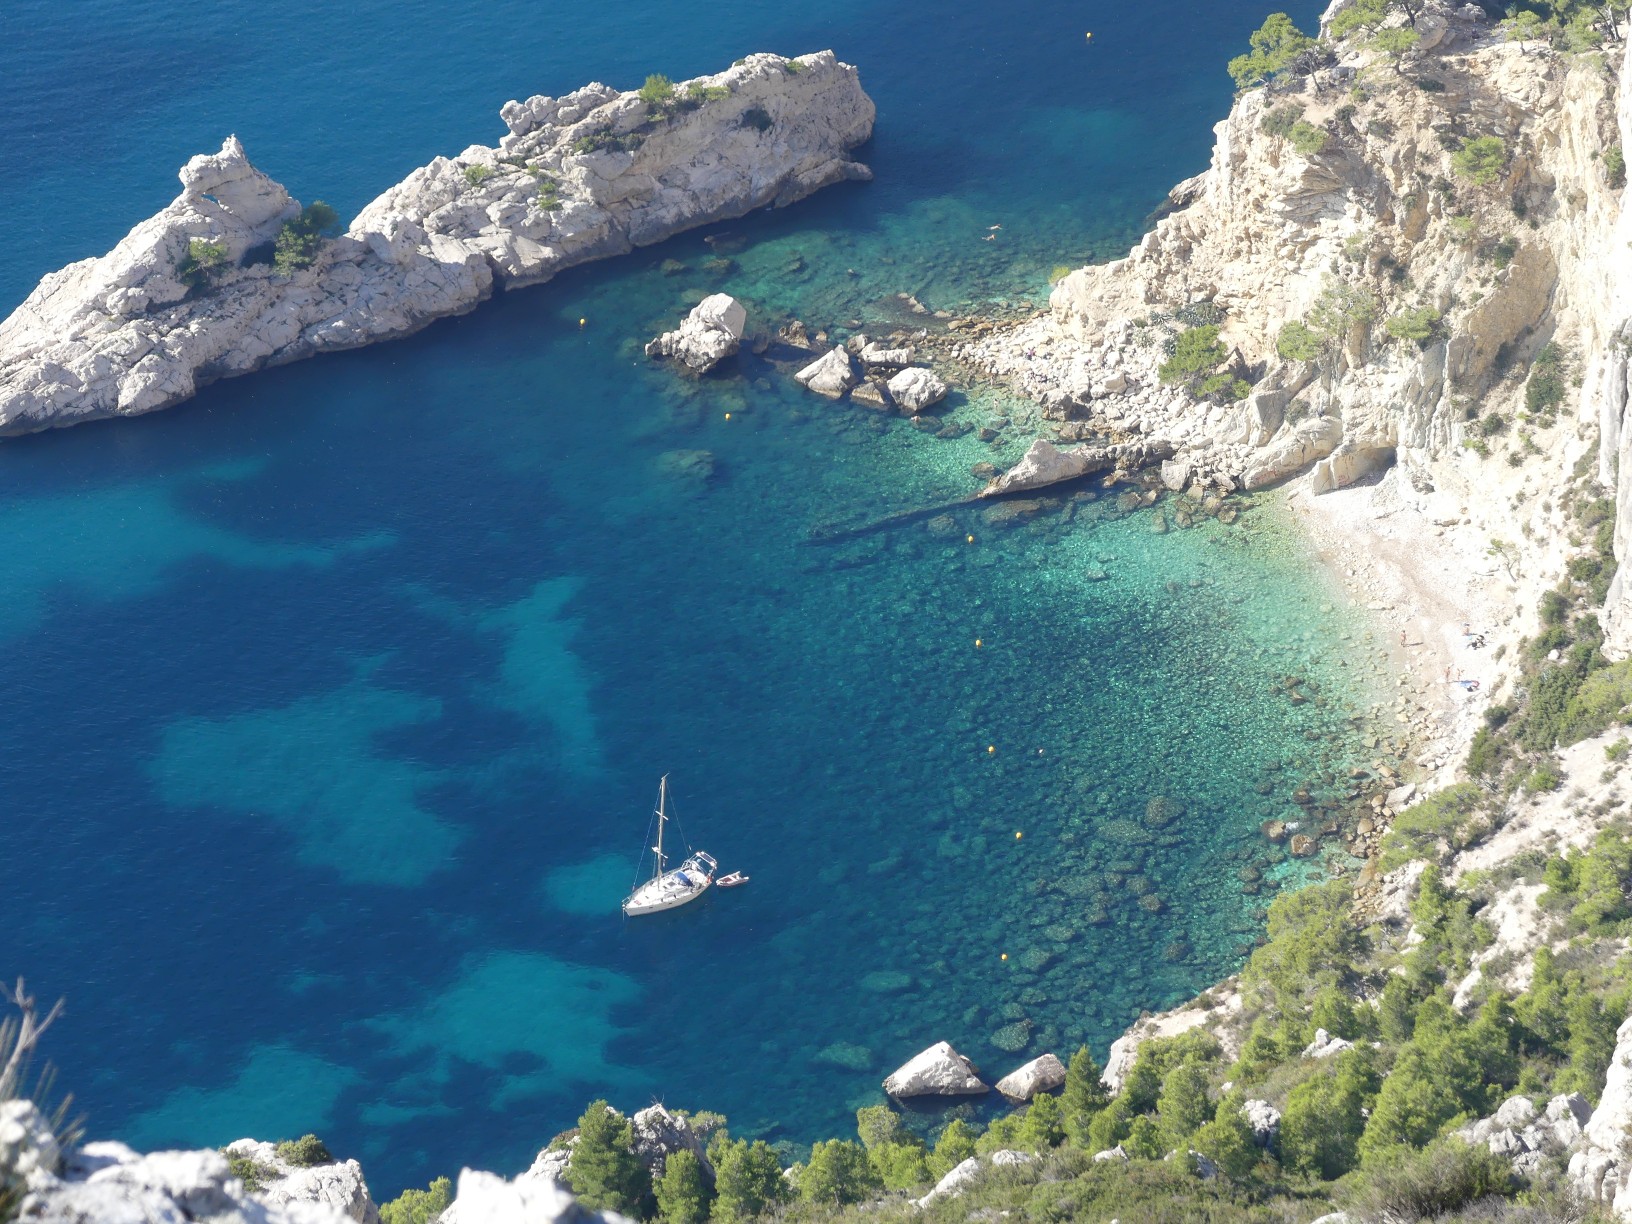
[(831, 375), (1006, 513), (672, 267), (710, 333), (1160, 811), (726, 244), (953, 429), (983, 470), (1037, 959), (942, 525), (718, 266), (1302, 845), (1152, 904)]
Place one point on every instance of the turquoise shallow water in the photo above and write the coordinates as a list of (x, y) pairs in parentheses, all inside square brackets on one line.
[(338, 697)]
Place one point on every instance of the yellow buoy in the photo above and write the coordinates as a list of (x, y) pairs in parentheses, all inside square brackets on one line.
[(1018, 835), (971, 539), (1089, 35), (977, 643), (728, 416), (581, 322), (990, 748), (1005, 956)]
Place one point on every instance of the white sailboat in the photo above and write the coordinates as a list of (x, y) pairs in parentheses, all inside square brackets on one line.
[(668, 889)]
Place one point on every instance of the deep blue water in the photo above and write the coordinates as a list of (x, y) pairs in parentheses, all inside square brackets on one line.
[(336, 699)]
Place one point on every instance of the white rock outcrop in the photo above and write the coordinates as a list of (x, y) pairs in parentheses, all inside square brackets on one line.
[(1602, 1166), (592, 174), (487, 1198), (338, 1184), (1265, 1121), (832, 374), (937, 1071), (1325, 1045), (959, 1176), (707, 336), (915, 389), (1043, 1074)]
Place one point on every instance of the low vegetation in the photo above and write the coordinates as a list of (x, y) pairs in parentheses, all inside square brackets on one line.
[(299, 241), (203, 263)]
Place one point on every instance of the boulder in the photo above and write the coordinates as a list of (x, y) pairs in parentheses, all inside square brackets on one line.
[(875, 354), (1115, 1153), (1176, 475), (915, 389), (709, 334), (831, 374), (1045, 464), (872, 395), (29, 1155), (1006, 1156), (937, 1071), (1265, 1121), (338, 1184), (1043, 1074), (1325, 1045), (954, 1182), (486, 1198)]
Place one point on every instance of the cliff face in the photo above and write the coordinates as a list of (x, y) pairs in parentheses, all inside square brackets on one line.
[(1359, 223), (591, 174)]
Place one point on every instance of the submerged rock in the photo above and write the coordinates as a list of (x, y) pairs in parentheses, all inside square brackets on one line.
[(710, 333), (937, 1071), (1046, 464)]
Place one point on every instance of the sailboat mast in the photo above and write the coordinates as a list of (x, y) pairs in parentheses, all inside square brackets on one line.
[(662, 817)]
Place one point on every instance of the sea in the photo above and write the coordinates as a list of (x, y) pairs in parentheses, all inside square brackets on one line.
[(335, 700)]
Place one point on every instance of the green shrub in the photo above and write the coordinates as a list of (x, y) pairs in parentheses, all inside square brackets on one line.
[(1549, 373), (1196, 352), (1280, 120), (1418, 323), (1297, 341), (1339, 307), (1541, 779), (657, 91), (793, 67), (304, 1153), (203, 262), (1463, 229), (1083, 1097), (1275, 45), (1503, 252), (1618, 750), (1227, 1140), (478, 174), (607, 141), (1306, 138), (1451, 815), (1183, 1106), (1615, 167), (1406, 1185), (299, 241), (255, 1175), (699, 94), (955, 1145), (418, 1206), (1325, 1116), (1480, 159)]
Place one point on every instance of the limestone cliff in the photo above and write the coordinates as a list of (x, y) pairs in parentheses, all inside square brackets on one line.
[(577, 178), (1342, 202)]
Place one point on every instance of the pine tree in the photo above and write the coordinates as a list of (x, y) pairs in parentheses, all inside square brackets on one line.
[(604, 1172), (1041, 1129), (1083, 1096), (1183, 1106), (839, 1172), (955, 1145), (747, 1180), (682, 1198)]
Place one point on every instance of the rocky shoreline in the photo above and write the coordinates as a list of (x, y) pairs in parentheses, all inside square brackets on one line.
[(234, 275)]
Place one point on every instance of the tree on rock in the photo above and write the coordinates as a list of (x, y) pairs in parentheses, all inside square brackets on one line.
[(1083, 1096), (955, 1145), (1227, 1140), (605, 1173), (682, 1198), (1275, 45), (747, 1180)]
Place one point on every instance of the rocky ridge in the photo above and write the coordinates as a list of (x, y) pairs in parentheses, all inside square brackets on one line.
[(591, 174), (1377, 222)]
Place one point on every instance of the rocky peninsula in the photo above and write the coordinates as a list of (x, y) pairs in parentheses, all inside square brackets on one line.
[(233, 275)]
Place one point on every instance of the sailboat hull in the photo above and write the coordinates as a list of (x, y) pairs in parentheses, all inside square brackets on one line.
[(672, 889)]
